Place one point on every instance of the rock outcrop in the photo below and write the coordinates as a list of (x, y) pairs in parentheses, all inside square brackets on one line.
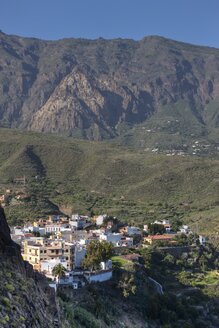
[(26, 300), (5, 238)]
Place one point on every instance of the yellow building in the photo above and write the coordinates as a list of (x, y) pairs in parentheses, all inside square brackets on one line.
[(39, 249)]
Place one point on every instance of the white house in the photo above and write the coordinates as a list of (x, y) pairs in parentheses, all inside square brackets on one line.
[(77, 221), (131, 231), (100, 219), (113, 238), (52, 228), (18, 231), (184, 229), (48, 265), (125, 242)]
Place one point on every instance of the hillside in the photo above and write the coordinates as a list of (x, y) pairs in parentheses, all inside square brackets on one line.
[(69, 175), (25, 297), (152, 93)]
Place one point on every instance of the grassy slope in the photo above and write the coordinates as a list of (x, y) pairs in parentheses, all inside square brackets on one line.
[(81, 175)]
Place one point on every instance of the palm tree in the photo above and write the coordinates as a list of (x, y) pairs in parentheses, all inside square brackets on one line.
[(58, 271)]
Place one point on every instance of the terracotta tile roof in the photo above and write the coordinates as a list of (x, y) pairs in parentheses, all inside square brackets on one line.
[(160, 237)]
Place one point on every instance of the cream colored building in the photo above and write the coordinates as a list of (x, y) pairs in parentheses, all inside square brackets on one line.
[(40, 249)]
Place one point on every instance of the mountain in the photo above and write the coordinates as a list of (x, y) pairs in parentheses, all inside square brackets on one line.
[(140, 92)]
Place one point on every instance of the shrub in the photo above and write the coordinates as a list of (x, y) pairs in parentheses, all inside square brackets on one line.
[(6, 301), (85, 318), (10, 288)]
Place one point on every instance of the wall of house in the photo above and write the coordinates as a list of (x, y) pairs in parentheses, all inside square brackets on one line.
[(79, 255), (99, 277)]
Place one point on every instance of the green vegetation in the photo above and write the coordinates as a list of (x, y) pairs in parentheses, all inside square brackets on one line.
[(96, 177), (120, 262), (58, 271), (189, 300), (22, 300), (97, 252)]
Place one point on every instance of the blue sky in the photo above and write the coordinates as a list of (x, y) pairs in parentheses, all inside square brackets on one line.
[(194, 21)]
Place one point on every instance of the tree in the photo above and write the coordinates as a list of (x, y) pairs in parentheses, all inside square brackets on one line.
[(58, 271), (97, 252), (203, 262), (176, 224), (169, 260), (147, 258), (127, 284), (155, 228)]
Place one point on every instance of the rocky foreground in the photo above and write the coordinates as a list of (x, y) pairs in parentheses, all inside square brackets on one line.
[(25, 298)]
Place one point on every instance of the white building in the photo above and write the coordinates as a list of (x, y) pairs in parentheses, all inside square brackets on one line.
[(131, 231), (125, 242), (99, 276), (185, 229), (77, 221), (42, 231), (202, 240), (48, 265), (113, 238), (100, 219), (17, 231), (79, 255)]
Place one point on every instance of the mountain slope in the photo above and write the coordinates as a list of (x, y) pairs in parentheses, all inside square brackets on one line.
[(100, 89), (84, 176)]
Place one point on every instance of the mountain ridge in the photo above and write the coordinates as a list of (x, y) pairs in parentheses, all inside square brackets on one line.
[(100, 89)]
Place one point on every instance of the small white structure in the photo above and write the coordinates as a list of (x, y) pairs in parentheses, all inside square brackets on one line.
[(98, 276), (131, 231), (184, 229), (18, 231), (145, 228), (113, 238), (100, 219), (125, 242), (77, 221), (106, 265), (48, 265), (202, 240)]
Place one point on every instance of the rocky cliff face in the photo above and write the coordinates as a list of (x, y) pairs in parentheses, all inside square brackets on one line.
[(95, 88), (25, 297), (5, 238)]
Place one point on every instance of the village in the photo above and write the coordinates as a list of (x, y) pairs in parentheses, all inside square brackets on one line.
[(57, 246)]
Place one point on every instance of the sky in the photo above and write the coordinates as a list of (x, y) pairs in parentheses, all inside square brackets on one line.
[(193, 21)]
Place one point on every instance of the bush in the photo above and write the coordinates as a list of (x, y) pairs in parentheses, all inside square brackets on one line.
[(85, 318), (5, 301), (10, 288)]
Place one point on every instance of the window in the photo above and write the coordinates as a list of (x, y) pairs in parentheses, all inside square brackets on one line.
[(66, 258)]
